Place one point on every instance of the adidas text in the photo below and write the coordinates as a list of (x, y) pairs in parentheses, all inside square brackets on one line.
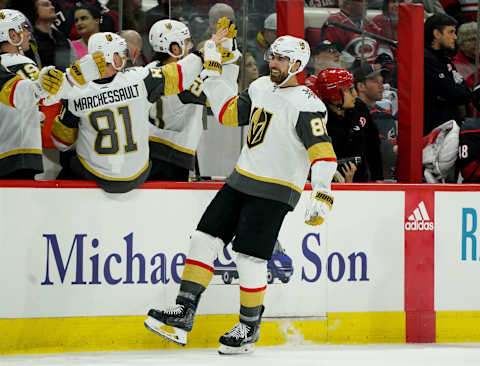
[(419, 225)]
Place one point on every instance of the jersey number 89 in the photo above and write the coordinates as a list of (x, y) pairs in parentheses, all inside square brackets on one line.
[(111, 131), (318, 127)]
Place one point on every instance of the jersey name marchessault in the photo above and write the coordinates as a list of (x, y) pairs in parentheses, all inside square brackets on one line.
[(107, 97)]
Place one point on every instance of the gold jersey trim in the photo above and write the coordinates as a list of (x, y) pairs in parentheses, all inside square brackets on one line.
[(268, 180), (64, 133), (20, 151), (172, 79), (100, 175), (6, 96), (229, 114), (172, 145), (322, 150)]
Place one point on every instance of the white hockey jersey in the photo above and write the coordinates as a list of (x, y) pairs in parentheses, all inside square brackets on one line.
[(287, 133), (108, 119), (20, 128), (177, 121)]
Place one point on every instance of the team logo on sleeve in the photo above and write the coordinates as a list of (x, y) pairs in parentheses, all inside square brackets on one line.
[(168, 26), (2, 16), (109, 37), (259, 122)]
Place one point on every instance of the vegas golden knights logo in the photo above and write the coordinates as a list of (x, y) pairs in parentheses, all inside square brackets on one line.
[(168, 26), (302, 45), (259, 122), (2, 16), (109, 37)]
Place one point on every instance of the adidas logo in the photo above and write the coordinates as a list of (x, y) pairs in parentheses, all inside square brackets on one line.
[(419, 219)]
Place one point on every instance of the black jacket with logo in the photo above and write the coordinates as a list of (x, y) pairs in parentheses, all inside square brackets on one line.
[(442, 96), (355, 134)]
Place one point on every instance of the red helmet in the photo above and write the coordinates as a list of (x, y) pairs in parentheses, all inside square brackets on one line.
[(331, 83)]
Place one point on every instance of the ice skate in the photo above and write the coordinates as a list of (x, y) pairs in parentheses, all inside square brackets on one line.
[(172, 324), (239, 340)]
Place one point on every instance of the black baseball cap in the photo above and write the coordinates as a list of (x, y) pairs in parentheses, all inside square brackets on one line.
[(366, 71), (326, 45)]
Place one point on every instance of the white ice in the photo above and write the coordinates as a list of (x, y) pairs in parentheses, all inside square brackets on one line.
[(311, 355)]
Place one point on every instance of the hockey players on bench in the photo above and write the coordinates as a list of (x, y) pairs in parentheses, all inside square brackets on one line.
[(108, 119)]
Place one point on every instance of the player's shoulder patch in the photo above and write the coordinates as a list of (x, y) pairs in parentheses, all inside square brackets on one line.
[(154, 64), (308, 101), (13, 59), (135, 73)]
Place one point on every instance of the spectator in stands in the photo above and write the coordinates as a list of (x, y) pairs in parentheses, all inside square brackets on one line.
[(351, 12), (65, 22), (387, 23), (465, 58), (321, 3), (325, 55), (250, 72), (217, 11), (172, 9), (445, 91), (350, 126), (369, 86), (53, 47), (265, 38), (462, 10), (134, 43), (430, 7), (133, 15), (87, 23)]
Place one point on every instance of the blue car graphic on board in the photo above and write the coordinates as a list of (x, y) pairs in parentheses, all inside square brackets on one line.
[(280, 266)]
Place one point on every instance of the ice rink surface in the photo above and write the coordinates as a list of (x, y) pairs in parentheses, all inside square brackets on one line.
[(322, 355)]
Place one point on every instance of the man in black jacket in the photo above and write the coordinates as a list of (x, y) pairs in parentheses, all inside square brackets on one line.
[(350, 126), (445, 91)]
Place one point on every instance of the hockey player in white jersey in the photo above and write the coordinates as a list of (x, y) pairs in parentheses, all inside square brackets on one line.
[(108, 119), (287, 137), (20, 118), (177, 119), (21, 142)]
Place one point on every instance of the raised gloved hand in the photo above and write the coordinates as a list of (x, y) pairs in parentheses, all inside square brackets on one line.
[(88, 68), (319, 206), (228, 48), (48, 83), (212, 66)]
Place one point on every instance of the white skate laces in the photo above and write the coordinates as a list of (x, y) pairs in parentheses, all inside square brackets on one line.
[(176, 309), (239, 331)]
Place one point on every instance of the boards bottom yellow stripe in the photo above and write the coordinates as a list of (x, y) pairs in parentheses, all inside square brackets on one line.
[(458, 326), (50, 335)]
